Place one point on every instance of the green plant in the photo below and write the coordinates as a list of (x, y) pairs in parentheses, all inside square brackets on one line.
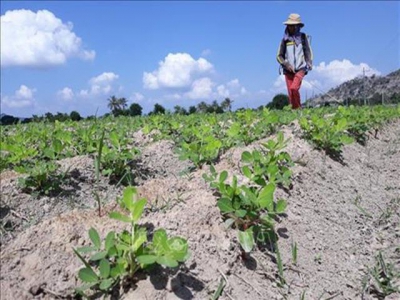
[(42, 178), (327, 133), (318, 258), (201, 146), (251, 208), (279, 262), (303, 295), (116, 158), (385, 278), (123, 254), (218, 292), (294, 252), (271, 164), (357, 201)]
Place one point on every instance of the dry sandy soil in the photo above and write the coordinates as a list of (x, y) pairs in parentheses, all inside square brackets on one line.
[(340, 215)]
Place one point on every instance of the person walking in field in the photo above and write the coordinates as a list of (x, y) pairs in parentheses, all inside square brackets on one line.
[(295, 56)]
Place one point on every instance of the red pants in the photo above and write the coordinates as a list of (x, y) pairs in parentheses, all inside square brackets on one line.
[(293, 83)]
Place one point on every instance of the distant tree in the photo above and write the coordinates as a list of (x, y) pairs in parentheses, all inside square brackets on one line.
[(123, 103), (192, 110), (113, 103), (202, 107), (49, 117), (215, 108), (180, 110), (8, 120), (278, 102), (117, 105), (158, 109), (75, 116), (61, 117), (135, 109), (226, 104), (36, 118)]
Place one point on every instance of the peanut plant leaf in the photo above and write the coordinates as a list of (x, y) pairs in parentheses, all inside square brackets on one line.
[(240, 213), (246, 240), (223, 176), (167, 261), (225, 205), (128, 197), (256, 155), (122, 247), (120, 217), (86, 249), (247, 172), (95, 238), (137, 209), (160, 241), (106, 284), (146, 259), (104, 268), (266, 197), (109, 242), (280, 206), (98, 255), (268, 220), (140, 238), (346, 140), (117, 271), (247, 157), (179, 248), (87, 275)]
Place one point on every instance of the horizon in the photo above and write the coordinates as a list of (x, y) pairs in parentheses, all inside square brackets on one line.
[(73, 56)]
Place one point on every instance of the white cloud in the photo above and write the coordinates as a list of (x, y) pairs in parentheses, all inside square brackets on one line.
[(176, 71), (150, 81), (326, 76), (175, 97), (137, 97), (232, 88), (65, 94), (23, 97), (201, 89), (206, 52), (100, 85), (38, 40)]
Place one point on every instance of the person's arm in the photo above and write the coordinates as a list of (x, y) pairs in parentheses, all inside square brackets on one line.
[(308, 54), (281, 57)]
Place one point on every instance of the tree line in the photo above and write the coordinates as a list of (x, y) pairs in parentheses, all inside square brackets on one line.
[(120, 107)]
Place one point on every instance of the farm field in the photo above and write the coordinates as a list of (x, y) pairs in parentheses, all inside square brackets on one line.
[(265, 205)]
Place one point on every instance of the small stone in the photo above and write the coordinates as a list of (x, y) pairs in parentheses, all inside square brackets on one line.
[(36, 290)]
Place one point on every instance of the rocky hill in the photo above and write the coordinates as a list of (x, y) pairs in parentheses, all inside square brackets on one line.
[(373, 89)]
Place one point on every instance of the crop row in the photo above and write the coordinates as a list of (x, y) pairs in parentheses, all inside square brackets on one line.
[(34, 148)]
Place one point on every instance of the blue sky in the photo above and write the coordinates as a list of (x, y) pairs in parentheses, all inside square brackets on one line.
[(59, 56)]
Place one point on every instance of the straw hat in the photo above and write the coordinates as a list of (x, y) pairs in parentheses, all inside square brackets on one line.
[(294, 19)]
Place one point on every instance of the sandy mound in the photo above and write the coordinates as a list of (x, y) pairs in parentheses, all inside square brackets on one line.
[(339, 215)]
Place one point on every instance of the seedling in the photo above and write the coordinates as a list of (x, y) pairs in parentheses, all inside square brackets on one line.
[(125, 253), (327, 133), (251, 208), (42, 179), (294, 252), (385, 278)]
